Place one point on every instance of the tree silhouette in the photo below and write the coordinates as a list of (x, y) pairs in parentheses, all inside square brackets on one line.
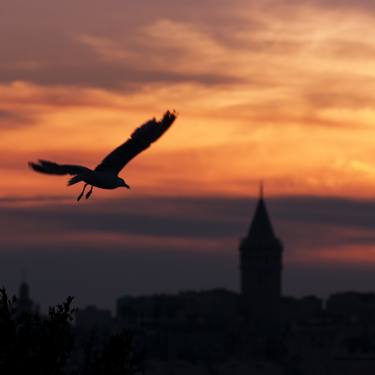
[(31, 344)]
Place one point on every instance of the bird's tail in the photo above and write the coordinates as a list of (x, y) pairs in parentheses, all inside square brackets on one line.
[(75, 180)]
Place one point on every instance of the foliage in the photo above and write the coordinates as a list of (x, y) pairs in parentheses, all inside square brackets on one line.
[(31, 344)]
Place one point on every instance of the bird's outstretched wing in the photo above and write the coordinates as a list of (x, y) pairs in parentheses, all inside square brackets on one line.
[(50, 167), (139, 140)]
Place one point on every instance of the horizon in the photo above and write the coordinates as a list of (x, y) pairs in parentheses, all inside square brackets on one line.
[(154, 252)]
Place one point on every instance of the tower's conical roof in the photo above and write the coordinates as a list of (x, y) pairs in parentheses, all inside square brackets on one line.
[(261, 227)]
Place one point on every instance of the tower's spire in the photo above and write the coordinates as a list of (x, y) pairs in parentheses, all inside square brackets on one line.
[(261, 226), (261, 189)]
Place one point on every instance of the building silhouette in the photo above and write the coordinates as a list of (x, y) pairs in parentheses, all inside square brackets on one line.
[(260, 269), (24, 303)]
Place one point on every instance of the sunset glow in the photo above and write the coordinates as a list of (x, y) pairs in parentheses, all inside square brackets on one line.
[(285, 96), (279, 91)]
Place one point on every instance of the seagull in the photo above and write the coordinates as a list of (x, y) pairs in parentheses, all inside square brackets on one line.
[(105, 175)]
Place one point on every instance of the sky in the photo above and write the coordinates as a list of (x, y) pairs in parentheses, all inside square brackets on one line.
[(279, 91)]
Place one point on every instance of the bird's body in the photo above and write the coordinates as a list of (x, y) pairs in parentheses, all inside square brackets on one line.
[(102, 180), (105, 175)]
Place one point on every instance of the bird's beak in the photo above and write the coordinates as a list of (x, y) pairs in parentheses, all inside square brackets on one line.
[(127, 186)]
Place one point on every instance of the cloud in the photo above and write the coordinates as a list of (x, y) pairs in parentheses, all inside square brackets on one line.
[(74, 55), (349, 5), (308, 223), (13, 119), (256, 60), (125, 45)]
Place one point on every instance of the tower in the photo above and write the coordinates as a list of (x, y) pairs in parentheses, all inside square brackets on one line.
[(260, 268), (24, 302)]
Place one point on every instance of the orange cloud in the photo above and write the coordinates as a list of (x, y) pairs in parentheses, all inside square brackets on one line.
[(284, 95)]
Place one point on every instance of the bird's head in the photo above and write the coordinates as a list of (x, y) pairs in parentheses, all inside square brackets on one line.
[(121, 182)]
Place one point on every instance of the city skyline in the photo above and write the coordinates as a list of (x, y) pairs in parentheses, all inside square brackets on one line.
[(98, 275)]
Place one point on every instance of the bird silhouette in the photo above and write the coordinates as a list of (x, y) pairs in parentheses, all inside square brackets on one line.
[(105, 175)]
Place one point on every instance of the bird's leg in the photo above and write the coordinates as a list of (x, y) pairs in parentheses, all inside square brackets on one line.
[(82, 192), (89, 192)]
